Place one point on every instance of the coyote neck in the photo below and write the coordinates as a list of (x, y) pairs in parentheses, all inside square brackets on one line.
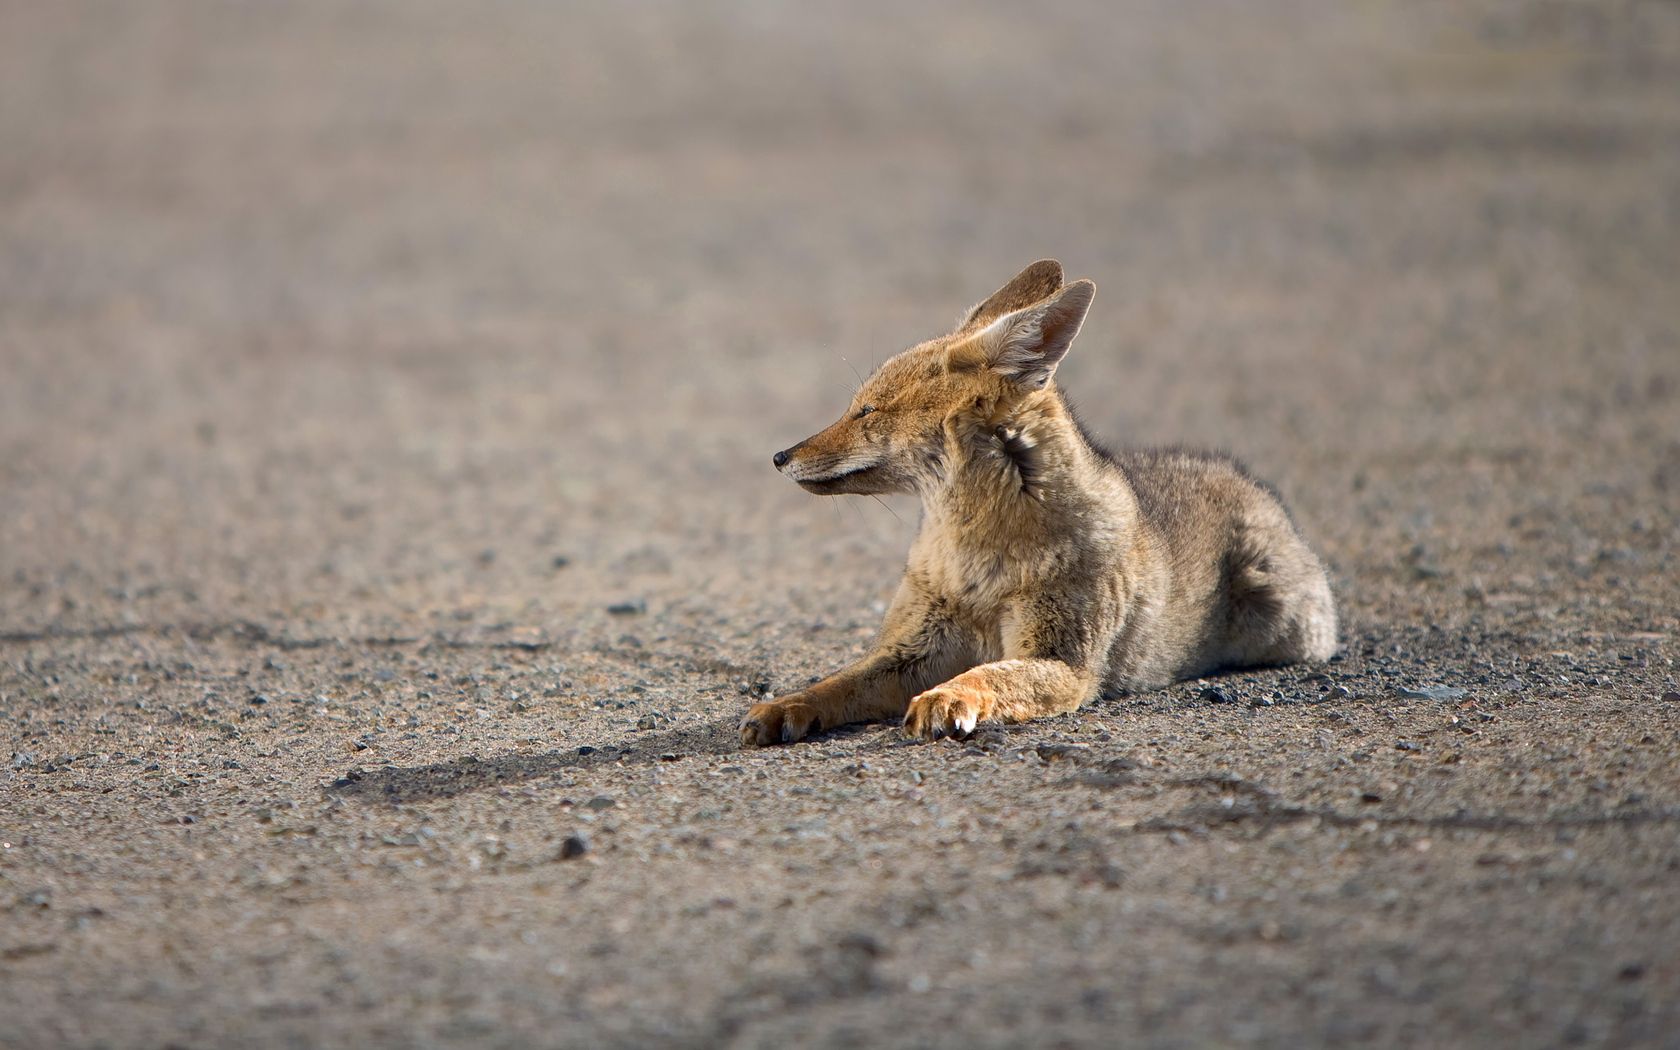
[(1016, 479)]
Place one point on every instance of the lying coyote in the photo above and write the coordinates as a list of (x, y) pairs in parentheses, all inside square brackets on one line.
[(1046, 571)]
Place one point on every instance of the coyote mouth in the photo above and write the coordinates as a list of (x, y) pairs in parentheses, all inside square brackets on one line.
[(835, 483)]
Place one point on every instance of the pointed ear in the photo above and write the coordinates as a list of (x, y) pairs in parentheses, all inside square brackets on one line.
[(1040, 279), (1027, 345)]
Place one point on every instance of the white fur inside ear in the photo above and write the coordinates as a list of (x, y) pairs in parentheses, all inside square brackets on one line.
[(1017, 348), (1017, 355), (1027, 345)]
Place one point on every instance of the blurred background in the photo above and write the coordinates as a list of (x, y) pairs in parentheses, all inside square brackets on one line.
[(346, 315)]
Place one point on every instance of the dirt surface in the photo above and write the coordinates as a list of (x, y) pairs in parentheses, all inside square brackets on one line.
[(389, 544)]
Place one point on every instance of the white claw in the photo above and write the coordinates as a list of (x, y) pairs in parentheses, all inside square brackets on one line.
[(966, 723)]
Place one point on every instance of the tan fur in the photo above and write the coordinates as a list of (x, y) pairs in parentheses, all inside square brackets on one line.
[(1045, 572)]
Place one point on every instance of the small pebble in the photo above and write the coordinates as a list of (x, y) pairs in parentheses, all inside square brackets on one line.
[(574, 846), (1442, 693), (862, 943)]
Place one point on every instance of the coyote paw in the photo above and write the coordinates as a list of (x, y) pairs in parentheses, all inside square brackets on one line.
[(779, 721), (952, 709)]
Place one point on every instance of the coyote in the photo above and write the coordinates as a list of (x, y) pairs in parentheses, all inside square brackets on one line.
[(1046, 571)]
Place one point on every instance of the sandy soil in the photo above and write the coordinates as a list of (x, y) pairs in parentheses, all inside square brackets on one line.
[(388, 542)]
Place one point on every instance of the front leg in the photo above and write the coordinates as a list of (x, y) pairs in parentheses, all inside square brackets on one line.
[(1055, 660), (918, 647), (1003, 691)]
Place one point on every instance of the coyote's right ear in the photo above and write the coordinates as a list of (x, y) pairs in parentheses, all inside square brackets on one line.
[(1027, 345), (1040, 279)]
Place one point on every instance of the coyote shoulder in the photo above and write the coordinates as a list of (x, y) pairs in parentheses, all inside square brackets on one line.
[(1046, 571)]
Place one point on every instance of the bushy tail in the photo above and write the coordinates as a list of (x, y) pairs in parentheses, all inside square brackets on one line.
[(1281, 609)]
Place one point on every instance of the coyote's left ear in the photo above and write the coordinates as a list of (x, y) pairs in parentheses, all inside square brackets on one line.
[(1040, 279), (1027, 345)]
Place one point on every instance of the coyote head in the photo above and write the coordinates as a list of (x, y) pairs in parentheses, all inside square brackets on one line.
[(894, 435)]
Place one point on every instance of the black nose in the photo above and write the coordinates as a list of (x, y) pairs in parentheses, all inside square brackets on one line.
[(780, 459)]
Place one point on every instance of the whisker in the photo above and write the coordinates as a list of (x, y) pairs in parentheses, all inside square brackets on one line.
[(850, 391), (854, 372), (888, 509)]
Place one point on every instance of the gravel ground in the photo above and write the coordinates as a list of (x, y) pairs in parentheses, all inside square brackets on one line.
[(388, 541)]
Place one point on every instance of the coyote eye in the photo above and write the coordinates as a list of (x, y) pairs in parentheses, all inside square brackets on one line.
[(864, 411)]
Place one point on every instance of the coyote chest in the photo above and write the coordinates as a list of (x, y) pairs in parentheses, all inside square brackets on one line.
[(976, 602), (975, 579)]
